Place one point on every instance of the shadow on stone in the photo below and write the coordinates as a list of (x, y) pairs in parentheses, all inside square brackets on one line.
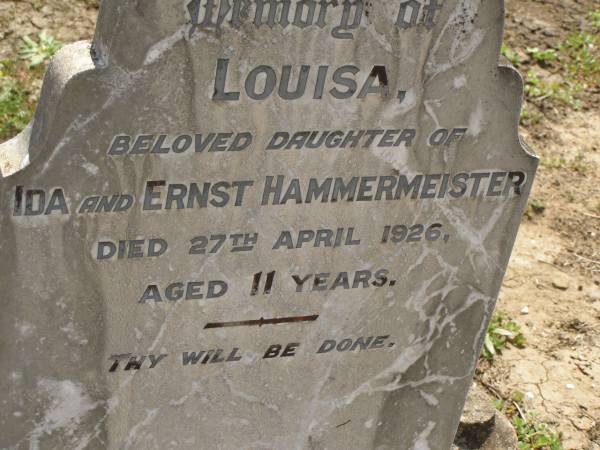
[(482, 427)]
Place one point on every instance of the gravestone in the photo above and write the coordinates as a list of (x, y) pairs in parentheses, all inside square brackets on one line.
[(259, 224)]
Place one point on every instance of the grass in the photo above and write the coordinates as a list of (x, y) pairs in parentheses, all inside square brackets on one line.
[(581, 58), (539, 89), (16, 105), (18, 78), (537, 206), (569, 70), (513, 57), (543, 56), (501, 333), (594, 18), (37, 52), (579, 163), (530, 117), (554, 162), (532, 433)]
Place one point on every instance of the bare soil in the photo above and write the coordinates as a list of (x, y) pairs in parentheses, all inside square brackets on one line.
[(552, 288), (554, 274), (66, 20)]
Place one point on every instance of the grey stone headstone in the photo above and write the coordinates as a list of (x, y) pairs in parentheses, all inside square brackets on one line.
[(196, 254)]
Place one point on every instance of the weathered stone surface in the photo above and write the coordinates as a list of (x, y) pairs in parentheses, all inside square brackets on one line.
[(120, 264), (482, 427)]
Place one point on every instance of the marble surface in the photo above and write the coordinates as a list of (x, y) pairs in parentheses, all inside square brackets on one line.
[(196, 254)]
